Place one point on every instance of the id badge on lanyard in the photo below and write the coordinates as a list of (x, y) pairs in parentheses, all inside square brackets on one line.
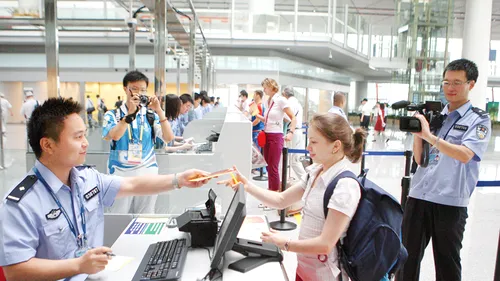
[(433, 156), (135, 146)]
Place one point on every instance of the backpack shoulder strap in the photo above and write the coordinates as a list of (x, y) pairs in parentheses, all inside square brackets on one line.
[(118, 116), (331, 186), (150, 115)]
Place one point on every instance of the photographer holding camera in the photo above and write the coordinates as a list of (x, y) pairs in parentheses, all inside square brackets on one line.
[(437, 204), (132, 129)]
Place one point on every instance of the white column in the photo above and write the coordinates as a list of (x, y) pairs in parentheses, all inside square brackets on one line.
[(360, 93), (476, 45)]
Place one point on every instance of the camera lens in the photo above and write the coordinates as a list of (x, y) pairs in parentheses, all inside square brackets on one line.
[(144, 100)]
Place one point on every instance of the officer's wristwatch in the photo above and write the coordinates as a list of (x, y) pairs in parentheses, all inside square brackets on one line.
[(175, 182)]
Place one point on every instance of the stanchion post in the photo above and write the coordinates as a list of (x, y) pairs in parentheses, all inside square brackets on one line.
[(408, 157), (405, 182), (363, 158), (261, 176), (282, 224)]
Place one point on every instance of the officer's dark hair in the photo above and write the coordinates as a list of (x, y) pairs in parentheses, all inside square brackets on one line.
[(334, 127), (186, 98), (205, 99), (204, 93), (197, 96), (172, 106), (259, 93), (97, 96), (134, 76), (212, 99), (244, 93), (47, 121), (466, 65)]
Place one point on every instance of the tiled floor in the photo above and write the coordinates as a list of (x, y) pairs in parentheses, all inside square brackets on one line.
[(481, 236)]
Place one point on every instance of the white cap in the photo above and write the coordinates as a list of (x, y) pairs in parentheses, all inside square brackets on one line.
[(29, 94)]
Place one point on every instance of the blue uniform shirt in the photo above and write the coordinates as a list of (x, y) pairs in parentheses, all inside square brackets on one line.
[(119, 155), (175, 125), (183, 121), (205, 110), (337, 110), (33, 227), (446, 180)]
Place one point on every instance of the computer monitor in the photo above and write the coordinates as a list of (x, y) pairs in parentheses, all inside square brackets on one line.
[(230, 227), (257, 252)]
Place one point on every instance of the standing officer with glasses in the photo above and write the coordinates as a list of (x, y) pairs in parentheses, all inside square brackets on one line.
[(132, 129), (437, 204)]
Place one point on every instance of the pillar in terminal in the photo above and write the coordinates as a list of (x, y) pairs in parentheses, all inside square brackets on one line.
[(476, 45)]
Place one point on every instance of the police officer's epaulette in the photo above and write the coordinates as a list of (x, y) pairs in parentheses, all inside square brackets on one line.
[(85, 166), (20, 190), (480, 112)]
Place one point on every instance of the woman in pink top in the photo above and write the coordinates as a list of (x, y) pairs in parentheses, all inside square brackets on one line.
[(276, 107)]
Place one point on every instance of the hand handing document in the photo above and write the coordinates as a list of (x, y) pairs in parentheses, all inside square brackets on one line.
[(213, 175)]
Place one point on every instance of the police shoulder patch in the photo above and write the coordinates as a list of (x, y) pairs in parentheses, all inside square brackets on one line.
[(480, 112), (481, 131), (20, 190)]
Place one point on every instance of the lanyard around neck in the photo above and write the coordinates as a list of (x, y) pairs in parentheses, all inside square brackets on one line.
[(131, 133), (74, 230), (269, 111)]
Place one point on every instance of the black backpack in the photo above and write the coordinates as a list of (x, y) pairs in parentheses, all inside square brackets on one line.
[(372, 246), (150, 116)]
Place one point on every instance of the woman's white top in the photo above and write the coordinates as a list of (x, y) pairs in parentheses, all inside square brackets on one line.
[(345, 199), (275, 114)]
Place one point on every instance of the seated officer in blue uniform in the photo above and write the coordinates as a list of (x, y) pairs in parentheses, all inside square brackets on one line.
[(51, 223), (437, 204)]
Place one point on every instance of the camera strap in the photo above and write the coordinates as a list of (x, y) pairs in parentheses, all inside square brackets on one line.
[(453, 125)]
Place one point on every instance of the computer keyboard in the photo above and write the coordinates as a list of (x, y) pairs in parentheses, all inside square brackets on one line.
[(163, 261)]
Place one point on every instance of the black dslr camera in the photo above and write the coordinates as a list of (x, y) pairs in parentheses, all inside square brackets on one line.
[(432, 112), (144, 100), (430, 109)]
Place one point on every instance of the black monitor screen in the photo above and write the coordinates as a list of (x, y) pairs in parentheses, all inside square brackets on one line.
[(230, 227)]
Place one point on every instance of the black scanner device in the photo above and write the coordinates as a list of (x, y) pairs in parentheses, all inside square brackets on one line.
[(201, 224)]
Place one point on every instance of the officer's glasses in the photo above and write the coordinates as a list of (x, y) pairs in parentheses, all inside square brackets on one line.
[(456, 83), (138, 91)]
